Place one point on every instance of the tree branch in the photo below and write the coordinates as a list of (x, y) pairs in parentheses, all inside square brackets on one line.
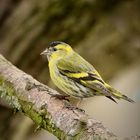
[(35, 100)]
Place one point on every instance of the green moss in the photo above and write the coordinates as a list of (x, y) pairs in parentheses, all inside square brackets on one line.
[(80, 131), (41, 117), (43, 120), (7, 92)]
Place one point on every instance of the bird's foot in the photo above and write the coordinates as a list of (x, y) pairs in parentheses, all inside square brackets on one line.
[(73, 107), (61, 97)]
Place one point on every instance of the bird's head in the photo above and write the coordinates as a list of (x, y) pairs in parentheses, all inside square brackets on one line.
[(57, 50)]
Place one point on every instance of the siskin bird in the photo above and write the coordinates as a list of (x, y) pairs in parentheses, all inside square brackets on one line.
[(75, 76)]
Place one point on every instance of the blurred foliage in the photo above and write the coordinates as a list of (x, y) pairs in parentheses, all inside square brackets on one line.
[(106, 33)]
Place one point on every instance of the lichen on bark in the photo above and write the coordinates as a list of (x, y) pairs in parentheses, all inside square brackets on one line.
[(36, 101)]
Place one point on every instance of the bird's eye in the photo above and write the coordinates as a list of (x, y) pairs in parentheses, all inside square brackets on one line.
[(54, 49)]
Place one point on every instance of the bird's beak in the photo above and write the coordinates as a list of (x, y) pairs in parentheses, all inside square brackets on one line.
[(45, 52)]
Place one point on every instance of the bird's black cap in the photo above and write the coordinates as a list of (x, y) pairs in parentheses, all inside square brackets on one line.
[(54, 43)]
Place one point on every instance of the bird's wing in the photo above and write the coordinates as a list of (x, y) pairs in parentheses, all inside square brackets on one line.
[(83, 73), (77, 67)]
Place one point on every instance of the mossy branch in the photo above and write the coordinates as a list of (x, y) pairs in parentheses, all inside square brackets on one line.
[(36, 100)]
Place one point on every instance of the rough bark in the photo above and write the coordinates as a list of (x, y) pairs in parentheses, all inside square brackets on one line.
[(36, 100)]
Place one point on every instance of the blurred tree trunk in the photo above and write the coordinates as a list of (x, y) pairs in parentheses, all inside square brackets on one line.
[(28, 26), (101, 26)]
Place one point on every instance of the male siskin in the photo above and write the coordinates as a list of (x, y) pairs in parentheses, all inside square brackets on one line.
[(75, 76)]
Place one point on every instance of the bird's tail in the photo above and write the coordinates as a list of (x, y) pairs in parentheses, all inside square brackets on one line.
[(118, 95)]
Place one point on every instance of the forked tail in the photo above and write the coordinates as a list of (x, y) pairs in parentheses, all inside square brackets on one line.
[(118, 95)]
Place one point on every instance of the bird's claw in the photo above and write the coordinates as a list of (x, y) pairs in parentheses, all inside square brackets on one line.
[(61, 97), (73, 108)]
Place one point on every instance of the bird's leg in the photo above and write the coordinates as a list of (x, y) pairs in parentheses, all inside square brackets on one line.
[(79, 102), (74, 107), (61, 97)]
